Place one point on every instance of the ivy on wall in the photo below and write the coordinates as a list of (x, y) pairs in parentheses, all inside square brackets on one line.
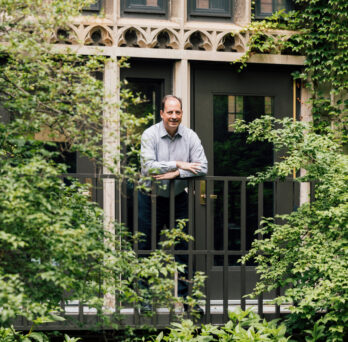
[(317, 29)]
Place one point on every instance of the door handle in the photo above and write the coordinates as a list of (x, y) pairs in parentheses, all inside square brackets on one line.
[(203, 193)]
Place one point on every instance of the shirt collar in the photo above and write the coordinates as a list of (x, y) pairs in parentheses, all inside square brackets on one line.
[(163, 131)]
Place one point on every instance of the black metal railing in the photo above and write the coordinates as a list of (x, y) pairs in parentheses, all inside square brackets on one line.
[(223, 215)]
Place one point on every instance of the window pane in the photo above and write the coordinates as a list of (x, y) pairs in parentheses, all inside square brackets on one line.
[(266, 6), (231, 104), (138, 2), (150, 3), (232, 155), (239, 107), (202, 4), (268, 105), (153, 3), (211, 4), (217, 4)]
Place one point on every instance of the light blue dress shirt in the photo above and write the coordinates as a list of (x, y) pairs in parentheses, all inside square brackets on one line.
[(160, 151)]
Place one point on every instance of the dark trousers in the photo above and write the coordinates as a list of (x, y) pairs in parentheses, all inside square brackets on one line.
[(162, 222)]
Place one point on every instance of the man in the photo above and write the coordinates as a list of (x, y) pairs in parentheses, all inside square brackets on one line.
[(169, 151)]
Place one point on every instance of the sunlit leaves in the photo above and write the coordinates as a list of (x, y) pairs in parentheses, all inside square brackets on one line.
[(307, 255)]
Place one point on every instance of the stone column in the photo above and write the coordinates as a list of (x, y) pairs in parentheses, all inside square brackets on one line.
[(177, 11), (111, 9), (182, 88), (306, 116), (241, 12), (111, 143)]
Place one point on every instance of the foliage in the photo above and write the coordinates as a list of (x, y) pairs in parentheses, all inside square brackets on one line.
[(243, 326), (58, 94), (10, 335), (318, 31), (306, 254), (54, 246), (52, 239)]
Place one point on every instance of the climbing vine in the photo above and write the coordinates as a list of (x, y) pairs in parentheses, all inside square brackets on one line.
[(304, 252), (316, 29)]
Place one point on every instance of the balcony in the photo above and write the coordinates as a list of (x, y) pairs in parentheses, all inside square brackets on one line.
[(223, 214)]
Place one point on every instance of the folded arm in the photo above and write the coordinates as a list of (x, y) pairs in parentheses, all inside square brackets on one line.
[(148, 158), (197, 166)]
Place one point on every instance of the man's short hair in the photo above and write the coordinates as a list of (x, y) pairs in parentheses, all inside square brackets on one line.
[(168, 97)]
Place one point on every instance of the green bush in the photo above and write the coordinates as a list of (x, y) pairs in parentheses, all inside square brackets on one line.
[(243, 326), (307, 254)]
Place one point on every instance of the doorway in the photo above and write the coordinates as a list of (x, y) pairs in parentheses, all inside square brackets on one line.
[(222, 94)]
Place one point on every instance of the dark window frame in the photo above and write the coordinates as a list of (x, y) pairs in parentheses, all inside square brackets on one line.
[(127, 8), (259, 15), (194, 12), (94, 8)]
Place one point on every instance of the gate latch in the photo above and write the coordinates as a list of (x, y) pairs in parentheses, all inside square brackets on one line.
[(203, 193)]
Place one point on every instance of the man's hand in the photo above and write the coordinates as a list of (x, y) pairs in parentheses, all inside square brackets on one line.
[(193, 167), (167, 175)]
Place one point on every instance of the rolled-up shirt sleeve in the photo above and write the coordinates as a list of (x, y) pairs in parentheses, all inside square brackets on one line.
[(197, 155), (148, 157)]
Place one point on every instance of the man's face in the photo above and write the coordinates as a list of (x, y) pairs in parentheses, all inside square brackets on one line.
[(171, 115)]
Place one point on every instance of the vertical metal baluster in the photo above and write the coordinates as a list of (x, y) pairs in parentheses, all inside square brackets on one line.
[(276, 212), (80, 312), (243, 243), (210, 234), (191, 223), (135, 217), (154, 234), (124, 205), (171, 226), (259, 217), (225, 241), (117, 201), (171, 205), (135, 231), (153, 217), (277, 307), (120, 213)]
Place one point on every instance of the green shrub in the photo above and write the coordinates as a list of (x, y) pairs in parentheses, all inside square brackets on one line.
[(307, 254), (243, 326)]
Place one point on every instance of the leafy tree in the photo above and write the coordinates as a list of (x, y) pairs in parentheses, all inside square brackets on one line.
[(54, 247), (61, 94), (306, 254), (52, 239)]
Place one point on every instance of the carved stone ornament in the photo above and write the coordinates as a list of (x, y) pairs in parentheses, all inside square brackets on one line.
[(66, 35), (197, 40), (154, 37), (132, 37), (99, 36), (164, 39), (232, 42)]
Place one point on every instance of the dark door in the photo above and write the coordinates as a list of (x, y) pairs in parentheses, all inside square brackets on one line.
[(151, 80), (222, 94)]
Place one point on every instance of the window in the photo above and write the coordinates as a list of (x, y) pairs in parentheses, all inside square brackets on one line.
[(158, 7), (212, 8), (94, 8), (265, 8), (234, 156)]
